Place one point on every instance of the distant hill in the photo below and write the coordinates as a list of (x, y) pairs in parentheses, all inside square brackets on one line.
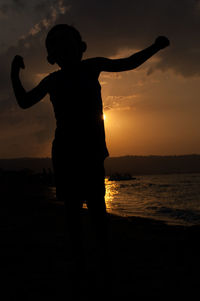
[(134, 165)]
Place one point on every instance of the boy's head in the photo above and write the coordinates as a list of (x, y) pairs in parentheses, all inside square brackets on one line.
[(64, 45)]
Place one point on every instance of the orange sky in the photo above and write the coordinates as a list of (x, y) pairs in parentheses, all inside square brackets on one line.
[(153, 110), (154, 114)]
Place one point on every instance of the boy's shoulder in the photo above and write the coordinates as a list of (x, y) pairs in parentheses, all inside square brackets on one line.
[(92, 65), (88, 65), (93, 61), (52, 76)]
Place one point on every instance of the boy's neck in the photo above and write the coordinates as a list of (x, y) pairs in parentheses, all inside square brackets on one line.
[(72, 66)]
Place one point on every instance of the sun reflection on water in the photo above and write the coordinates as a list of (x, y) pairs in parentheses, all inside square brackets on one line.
[(111, 192)]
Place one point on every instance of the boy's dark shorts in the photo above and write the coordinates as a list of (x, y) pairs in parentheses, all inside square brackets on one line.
[(77, 176)]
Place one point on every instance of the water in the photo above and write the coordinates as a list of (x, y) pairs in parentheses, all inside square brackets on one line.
[(174, 198)]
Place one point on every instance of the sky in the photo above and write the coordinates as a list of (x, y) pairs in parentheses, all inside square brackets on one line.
[(151, 110)]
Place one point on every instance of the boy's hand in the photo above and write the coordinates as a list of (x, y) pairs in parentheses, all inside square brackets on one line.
[(161, 42), (17, 63)]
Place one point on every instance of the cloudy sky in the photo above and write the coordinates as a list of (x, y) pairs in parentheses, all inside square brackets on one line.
[(152, 110)]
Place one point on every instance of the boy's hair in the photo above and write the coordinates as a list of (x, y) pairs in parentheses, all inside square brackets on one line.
[(56, 34)]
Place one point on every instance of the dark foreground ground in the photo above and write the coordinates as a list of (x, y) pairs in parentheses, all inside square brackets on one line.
[(146, 258)]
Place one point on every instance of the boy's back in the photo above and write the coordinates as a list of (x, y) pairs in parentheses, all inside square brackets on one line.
[(76, 98)]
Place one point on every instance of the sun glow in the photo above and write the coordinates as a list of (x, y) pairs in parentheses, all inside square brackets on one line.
[(104, 117)]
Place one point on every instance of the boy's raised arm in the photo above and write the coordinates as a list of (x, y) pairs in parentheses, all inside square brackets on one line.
[(25, 99), (135, 60)]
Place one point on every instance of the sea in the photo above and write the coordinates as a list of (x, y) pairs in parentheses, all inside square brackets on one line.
[(172, 198)]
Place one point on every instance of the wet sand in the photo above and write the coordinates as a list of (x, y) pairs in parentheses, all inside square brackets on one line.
[(146, 258)]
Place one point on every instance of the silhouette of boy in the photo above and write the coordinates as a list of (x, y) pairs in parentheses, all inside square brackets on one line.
[(79, 147)]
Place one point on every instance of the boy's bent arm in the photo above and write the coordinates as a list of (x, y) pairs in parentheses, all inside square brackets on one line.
[(26, 99), (135, 60)]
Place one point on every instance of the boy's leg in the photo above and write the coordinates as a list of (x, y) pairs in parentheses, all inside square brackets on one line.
[(96, 204), (73, 237), (99, 275), (66, 193), (99, 219)]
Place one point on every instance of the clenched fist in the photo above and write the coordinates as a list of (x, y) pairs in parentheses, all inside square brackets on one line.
[(17, 63), (162, 42)]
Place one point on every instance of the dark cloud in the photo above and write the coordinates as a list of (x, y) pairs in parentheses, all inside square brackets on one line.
[(13, 5), (19, 3), (44, 5), (4, 9), (107, 27), (110, 25), (35, 126)]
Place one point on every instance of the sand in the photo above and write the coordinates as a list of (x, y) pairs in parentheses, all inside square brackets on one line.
[(146, 258)]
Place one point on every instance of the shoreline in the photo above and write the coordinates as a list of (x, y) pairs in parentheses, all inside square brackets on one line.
[(167, 222), (146, 258)]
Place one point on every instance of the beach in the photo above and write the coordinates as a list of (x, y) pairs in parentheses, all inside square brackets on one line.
[(145, 258)]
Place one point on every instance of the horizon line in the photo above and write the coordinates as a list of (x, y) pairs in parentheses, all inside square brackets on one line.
[(122, 156)]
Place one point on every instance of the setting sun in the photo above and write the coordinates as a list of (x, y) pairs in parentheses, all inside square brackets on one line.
[(104, 117)]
